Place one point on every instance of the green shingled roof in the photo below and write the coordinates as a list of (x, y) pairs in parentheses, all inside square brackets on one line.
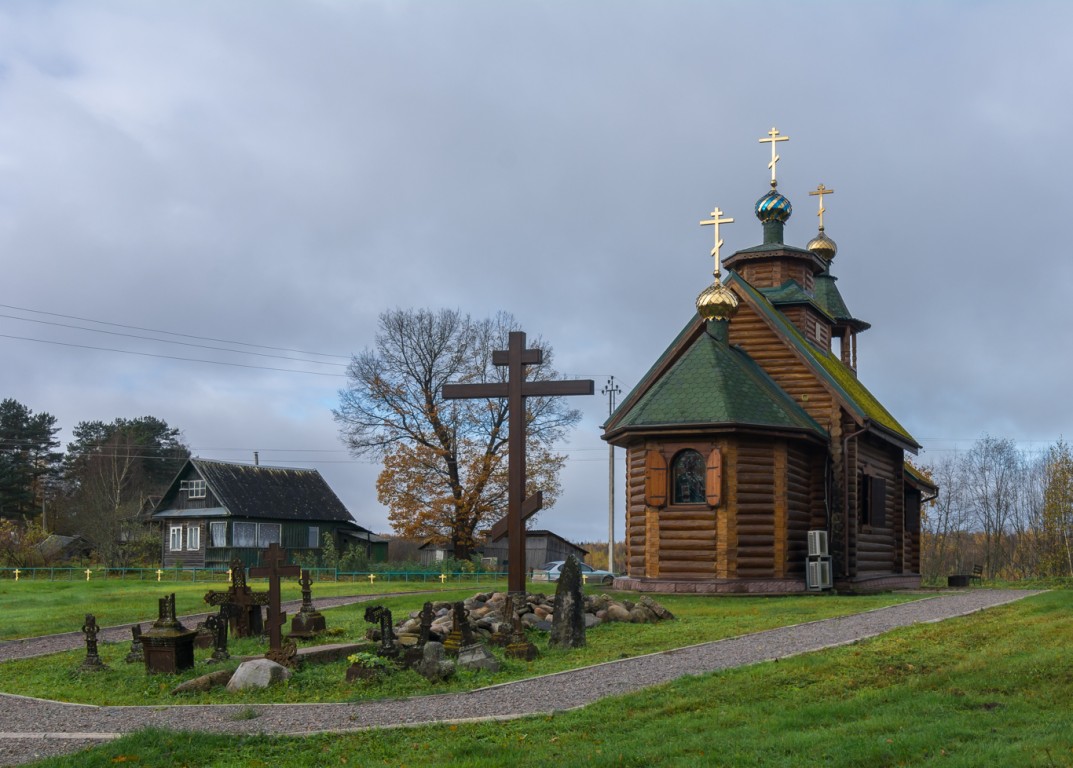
[(841, 379), (712, 383)]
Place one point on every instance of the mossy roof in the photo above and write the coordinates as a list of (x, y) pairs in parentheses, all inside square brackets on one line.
[(711, 384), (843, 381)]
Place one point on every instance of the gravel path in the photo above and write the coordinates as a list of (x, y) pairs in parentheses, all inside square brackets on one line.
[(34, 728)]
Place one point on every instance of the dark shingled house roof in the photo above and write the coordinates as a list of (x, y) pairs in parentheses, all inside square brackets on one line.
[(270, 493)]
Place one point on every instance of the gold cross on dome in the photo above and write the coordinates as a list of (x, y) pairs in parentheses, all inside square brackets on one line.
[(715, 221), (820, 191), (773, 137)]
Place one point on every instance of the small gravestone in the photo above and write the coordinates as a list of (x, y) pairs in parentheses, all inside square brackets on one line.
[(136, 653), (519, 646), (308, 622), (217, 625), (168, 645), (412, 656), (92, 662), (461, 635), (476, 656), (434, 666), (240, 604), (379, 614), (568, 626)]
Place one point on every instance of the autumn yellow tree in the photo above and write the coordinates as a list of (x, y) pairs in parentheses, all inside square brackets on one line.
[(1057, 531), (444, 474)]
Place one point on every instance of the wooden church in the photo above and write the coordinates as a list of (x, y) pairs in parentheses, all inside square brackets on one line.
[(756, 459)]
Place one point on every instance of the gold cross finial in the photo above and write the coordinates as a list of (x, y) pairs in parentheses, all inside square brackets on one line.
[(715, 221), (820, 191), (773, 137)]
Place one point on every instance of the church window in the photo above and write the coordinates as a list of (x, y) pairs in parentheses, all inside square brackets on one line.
[(687, 478), (872, 501)]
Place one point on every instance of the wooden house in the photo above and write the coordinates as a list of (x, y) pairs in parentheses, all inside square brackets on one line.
[(755, 457), (215, 511)]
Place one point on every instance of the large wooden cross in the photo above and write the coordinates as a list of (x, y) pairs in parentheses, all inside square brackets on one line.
[(516, 389), (274, 559)]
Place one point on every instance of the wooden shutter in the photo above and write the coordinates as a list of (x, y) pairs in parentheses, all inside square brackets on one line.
[(713, 478), (655, 479)]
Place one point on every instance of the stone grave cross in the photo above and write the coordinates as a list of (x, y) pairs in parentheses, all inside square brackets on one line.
[(274, 559), (516, 389)]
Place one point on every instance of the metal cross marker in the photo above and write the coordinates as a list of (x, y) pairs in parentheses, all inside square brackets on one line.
[(516, 389), (820, 191), (773, 136), (274, 559), (715, 221)]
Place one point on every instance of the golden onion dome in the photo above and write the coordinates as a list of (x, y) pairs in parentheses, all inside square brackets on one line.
[(717, 302), (823, 246)]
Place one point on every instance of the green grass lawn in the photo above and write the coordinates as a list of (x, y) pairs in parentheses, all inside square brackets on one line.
[(991, 689), (699, 619), (38, 607)]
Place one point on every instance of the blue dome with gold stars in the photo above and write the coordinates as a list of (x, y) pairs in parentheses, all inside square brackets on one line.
[(773, 207)]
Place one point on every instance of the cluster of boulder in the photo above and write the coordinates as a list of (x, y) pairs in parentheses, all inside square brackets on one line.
[(487, 614)]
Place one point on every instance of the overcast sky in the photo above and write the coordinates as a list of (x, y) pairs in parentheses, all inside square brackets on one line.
[(281, 173)]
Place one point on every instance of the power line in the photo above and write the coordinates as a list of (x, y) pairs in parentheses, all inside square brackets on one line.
[(173, 333), (167, 341), (171, 357)]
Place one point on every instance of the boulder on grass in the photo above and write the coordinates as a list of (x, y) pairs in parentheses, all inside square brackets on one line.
[(204, 683), (258, 673)]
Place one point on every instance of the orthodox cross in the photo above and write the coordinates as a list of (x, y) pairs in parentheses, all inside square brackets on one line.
[(716, 221), (274, 559), (820, 191), (516, 389), (773, 137)]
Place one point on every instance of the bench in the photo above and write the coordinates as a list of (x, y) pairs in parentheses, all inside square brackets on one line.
[(966, 579)]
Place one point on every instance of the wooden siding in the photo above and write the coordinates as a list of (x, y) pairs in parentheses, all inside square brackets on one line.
[(801, 496), (635, 510), (773, 273), (751, 333), (185, 558), (877, 544), (812, 325), (755, 510)]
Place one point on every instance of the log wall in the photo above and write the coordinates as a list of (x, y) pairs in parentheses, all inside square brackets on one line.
[(751, 333), (755, 513), (877, 546), (635, 510), (771, 274)]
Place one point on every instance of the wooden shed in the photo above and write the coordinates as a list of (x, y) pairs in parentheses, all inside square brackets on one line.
[(755, 457)]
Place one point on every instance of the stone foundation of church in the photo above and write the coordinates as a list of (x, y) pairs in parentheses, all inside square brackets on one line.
[(878, 583)]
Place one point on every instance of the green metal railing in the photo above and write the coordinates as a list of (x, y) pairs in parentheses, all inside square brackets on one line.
[(48, 573)]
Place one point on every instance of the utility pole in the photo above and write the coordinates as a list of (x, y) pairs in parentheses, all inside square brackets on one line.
[(611, 390)]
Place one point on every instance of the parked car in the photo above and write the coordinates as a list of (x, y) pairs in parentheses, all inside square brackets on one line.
[(550, 572)]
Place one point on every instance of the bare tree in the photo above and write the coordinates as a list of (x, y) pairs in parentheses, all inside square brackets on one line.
[(444, 472), (993, 470)]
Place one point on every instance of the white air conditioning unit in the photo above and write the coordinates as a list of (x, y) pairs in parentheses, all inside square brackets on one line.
[(818, 575), (817, 543)]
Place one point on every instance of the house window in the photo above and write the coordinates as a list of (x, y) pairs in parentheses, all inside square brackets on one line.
[(245, 534), (175, 538), (217, 534), (687, 478), (193, 538), (872, 501), (195, 489), (267, 533), (314, 536)]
